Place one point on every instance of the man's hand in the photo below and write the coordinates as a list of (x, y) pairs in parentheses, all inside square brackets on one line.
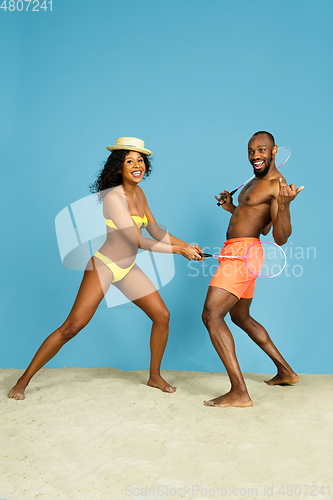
[(225, 200), (287, 193), (280, 212)]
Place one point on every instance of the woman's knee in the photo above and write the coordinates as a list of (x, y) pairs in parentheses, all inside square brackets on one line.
[(162, 316), (70, 330)]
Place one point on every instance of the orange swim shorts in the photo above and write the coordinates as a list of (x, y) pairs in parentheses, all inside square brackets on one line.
[(232, 274)]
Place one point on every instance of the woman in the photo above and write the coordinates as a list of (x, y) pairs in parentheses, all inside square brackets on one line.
[(126, 211)]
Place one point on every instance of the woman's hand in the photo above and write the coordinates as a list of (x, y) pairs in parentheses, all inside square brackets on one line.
[(225, 201), (192, 252)]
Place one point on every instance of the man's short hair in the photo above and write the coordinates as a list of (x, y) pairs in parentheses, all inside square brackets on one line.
[(267, 133)]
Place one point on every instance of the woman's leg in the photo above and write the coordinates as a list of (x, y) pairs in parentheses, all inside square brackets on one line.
[(138, 288), (94, 285)]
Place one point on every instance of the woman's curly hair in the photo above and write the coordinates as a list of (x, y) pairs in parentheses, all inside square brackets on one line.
[(110, 175)]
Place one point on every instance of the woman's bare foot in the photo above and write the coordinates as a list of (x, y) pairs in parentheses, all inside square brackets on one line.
[(159, 382), (238, 400), (283, 378), (17, 392)]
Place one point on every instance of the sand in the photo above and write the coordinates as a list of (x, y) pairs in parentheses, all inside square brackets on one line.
[(102, 434)]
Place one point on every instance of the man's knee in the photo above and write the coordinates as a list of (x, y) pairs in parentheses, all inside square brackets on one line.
[(209, 316), (240, 319), (205, 316)]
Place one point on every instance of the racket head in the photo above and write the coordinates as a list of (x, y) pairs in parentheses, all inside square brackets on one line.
[(282, 156), (265, 259)]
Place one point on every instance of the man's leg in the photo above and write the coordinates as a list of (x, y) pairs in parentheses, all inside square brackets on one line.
[(218, 303), (240, 315)]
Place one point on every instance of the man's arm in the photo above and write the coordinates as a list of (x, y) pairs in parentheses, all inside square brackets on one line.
[(266, 229), (225, 200), (280, 211)]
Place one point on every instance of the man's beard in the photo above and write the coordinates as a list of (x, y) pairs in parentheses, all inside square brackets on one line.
[(265, 171)]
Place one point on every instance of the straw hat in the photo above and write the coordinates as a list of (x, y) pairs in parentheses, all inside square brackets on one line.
[(130, 144)]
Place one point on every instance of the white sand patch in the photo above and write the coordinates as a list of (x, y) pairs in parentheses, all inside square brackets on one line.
[(102, 434)]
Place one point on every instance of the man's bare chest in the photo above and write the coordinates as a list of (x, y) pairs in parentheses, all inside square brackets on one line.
[(257, 193)]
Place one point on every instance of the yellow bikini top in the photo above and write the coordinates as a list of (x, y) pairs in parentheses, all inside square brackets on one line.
[(139, 221)]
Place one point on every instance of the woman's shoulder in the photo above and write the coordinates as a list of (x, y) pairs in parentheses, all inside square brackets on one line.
[(115, 204), (115, 199), (115, 193), (141, 193)]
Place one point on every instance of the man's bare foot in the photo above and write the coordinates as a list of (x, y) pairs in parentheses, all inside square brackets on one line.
[(17, 392), (283, 379), (159, 382), (231, 399)]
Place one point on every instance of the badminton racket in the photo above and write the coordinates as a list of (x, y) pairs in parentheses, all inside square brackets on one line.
[(219, 204), (263, 259)]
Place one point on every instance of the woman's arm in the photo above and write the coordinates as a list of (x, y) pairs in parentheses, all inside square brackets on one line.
[(162, 235), (115, 207)]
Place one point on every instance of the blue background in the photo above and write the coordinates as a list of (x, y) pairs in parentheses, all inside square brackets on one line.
[(194, 79)]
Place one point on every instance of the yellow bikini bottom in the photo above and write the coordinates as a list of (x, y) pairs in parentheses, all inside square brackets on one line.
[(118, 272)]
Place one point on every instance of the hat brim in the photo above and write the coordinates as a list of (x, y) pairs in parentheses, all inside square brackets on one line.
[(146, 152)]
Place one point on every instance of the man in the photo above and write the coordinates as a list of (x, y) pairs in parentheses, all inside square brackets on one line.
[(263, 202)]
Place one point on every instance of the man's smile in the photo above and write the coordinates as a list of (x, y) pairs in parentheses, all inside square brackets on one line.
[(258, 164)]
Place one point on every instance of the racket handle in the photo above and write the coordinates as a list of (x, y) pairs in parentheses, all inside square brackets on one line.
[(231, 194)]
